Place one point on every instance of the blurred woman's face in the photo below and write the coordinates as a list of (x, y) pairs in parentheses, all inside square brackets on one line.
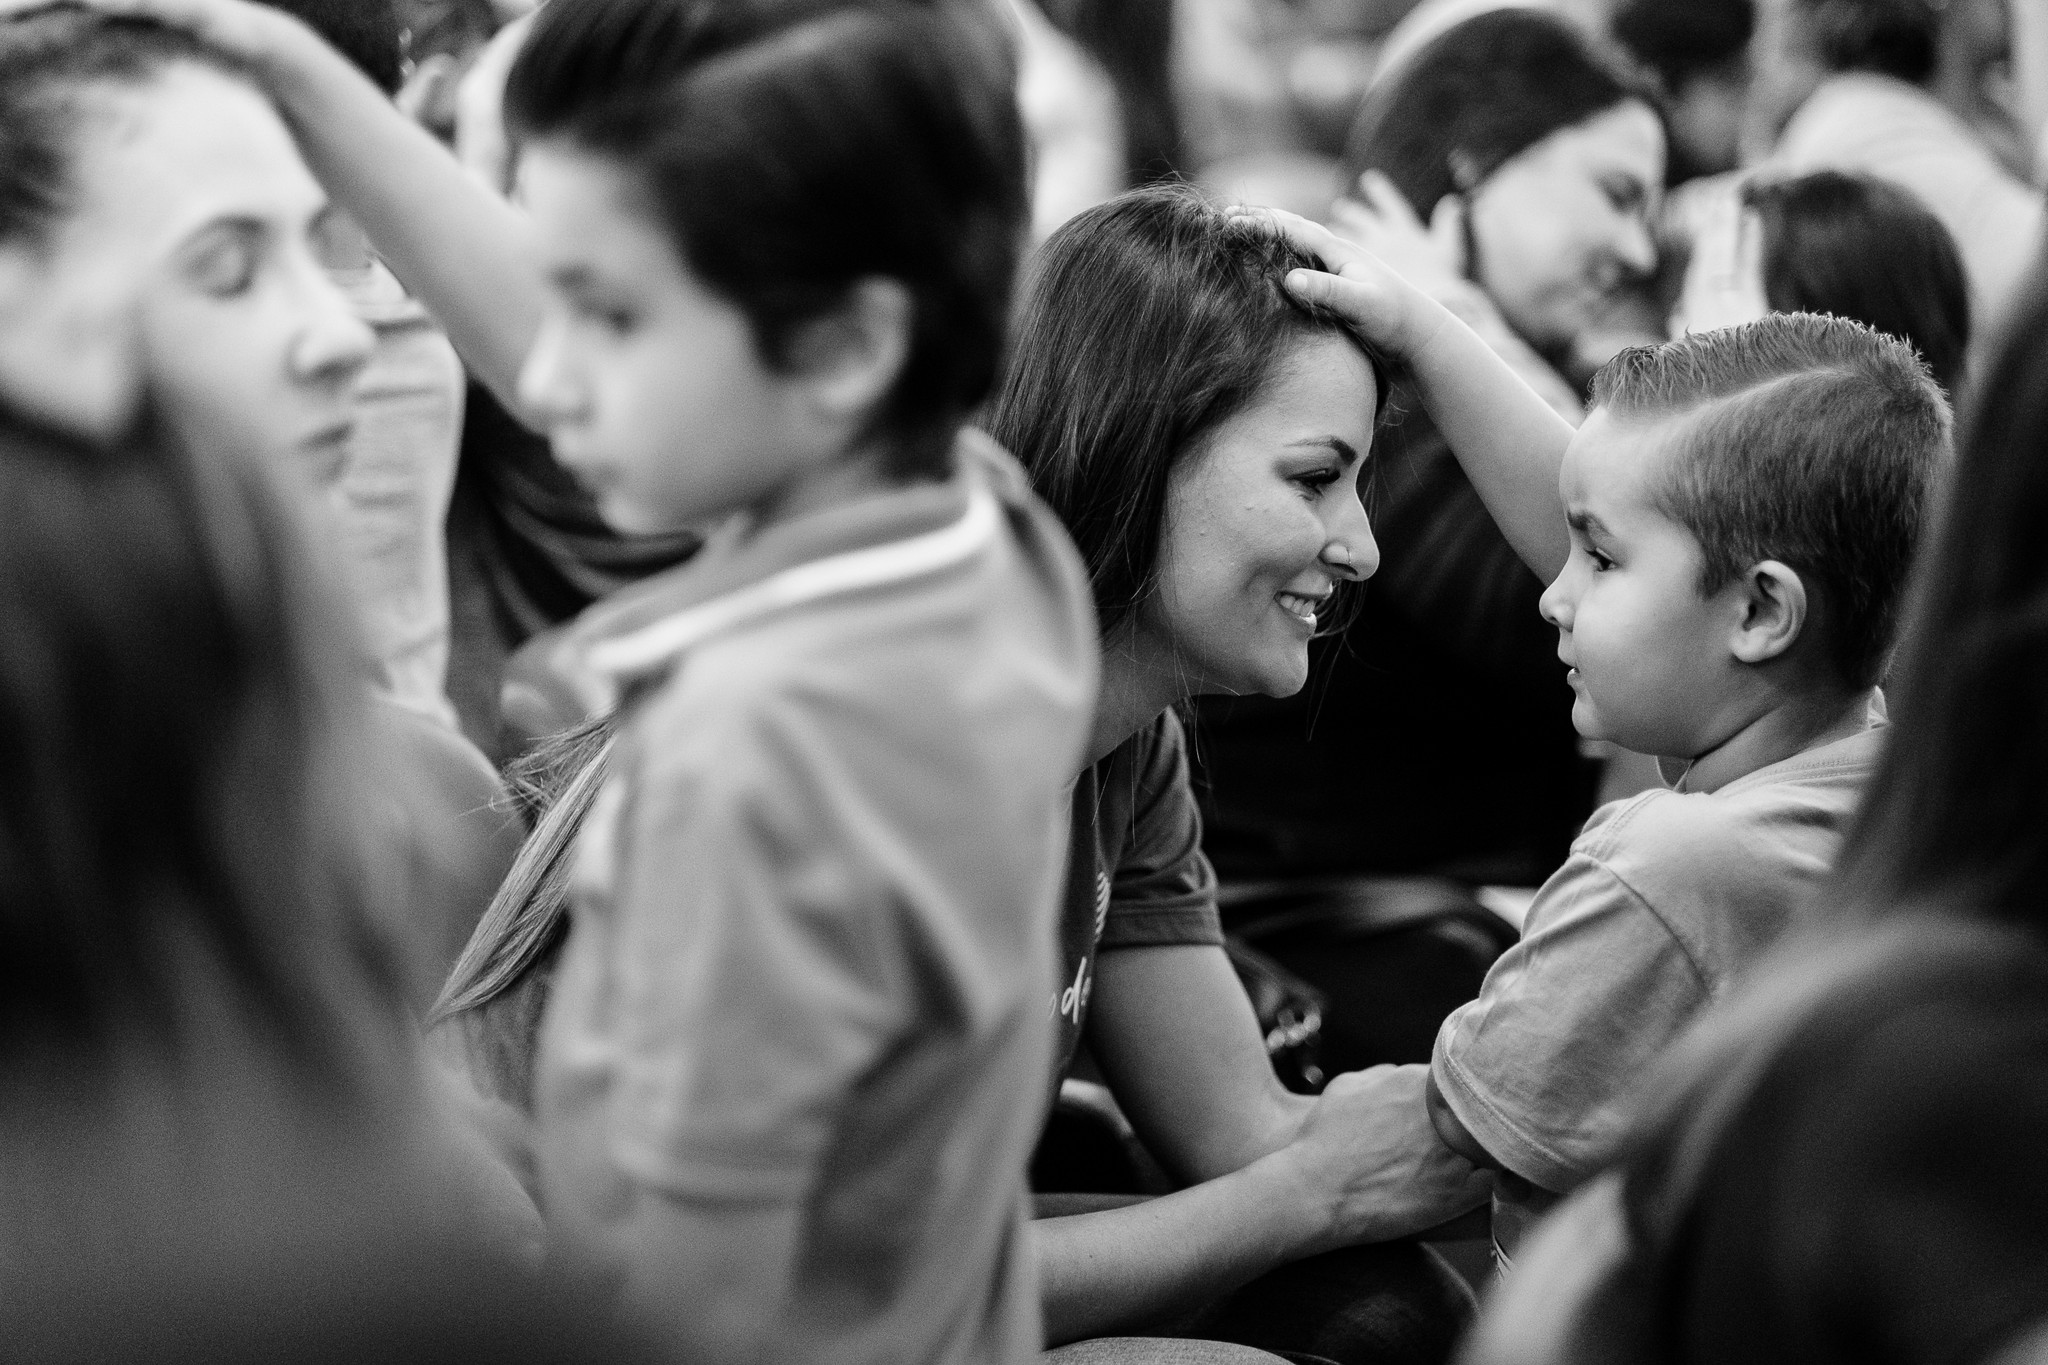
[(1563, 224), (245, 343)]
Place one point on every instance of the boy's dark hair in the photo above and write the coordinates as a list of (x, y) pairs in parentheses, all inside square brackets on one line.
[(1146, 322), (794, 147), (367, 32), (1812, 441), (1864, 248)]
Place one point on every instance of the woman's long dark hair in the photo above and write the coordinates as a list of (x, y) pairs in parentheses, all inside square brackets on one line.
[(1478, 94), (1955, 815), (180, 856), (1864, 248), (1146, 322)]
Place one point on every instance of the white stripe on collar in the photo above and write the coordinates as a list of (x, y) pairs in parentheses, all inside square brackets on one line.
[(854, 571)]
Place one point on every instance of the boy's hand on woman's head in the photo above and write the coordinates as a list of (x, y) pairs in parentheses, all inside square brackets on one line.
[(1386, 308), (1369, 1156)]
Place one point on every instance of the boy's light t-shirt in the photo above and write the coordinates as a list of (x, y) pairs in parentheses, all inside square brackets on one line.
[(1666, 899), (813, 923)]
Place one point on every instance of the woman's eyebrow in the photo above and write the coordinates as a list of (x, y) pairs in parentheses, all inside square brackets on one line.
[(1346, 452)]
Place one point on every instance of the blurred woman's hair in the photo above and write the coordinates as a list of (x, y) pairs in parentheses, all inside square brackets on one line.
[(791, 148), (1146, 322), (1955, 815), (1863, 248), (1897, 38), (183, 884), (1478, 95)]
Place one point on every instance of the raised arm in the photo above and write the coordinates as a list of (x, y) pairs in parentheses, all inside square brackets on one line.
[(458, 247), (1508, 439)]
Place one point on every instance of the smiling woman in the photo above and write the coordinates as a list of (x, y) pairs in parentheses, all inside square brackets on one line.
[(125, 141), (1203, 435)]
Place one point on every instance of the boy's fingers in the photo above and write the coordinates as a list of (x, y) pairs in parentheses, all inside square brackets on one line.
[(1362, 304)]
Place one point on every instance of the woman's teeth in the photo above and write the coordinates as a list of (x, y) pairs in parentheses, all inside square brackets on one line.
[(1300, 608)]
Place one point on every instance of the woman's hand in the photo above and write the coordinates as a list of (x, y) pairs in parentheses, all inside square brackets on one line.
[(1379, 218), (1370, 1155)]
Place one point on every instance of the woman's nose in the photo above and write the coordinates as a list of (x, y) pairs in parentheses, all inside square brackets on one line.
[(1634, 249), (334, 344), (1352, 553)]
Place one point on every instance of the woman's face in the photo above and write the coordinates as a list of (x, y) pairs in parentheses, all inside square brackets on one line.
[(1564, 223), (245, 342), (1262, 522)]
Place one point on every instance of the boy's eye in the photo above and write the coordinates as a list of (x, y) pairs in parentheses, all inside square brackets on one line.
[(611, 318), (1601, 563)]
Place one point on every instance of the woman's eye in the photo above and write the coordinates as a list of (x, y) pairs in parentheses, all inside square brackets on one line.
[(1316, 480), (226, 267), (1626, 196)]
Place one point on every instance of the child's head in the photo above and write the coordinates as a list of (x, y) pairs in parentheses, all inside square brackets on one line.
[(1200, 431), (139, 165), (1744, 506), (782, 235)]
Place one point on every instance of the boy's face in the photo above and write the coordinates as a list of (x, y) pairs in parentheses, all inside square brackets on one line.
[(1650, 657), (649, 385)]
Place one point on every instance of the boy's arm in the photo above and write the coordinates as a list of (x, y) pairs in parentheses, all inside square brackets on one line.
[(1509, 441), (457, 247), (1365, 1166)]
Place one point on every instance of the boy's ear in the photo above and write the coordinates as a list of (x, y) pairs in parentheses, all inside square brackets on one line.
[(849, 359), (1772, 598)]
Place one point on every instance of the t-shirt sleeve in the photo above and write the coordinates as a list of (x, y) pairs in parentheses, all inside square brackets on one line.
[(1540, 1068), (758, 962), (1163, 891)]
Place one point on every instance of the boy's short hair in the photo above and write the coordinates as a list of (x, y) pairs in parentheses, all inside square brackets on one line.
[(1812, 441)]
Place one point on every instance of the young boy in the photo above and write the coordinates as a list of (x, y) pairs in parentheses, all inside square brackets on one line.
[(1739, 514)]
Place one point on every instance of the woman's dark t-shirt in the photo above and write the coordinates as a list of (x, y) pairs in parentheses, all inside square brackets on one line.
[(1136, 875)]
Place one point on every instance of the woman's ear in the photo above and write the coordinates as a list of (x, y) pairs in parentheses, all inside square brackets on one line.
[(68, 348), (850, 358), (1774, 609)]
